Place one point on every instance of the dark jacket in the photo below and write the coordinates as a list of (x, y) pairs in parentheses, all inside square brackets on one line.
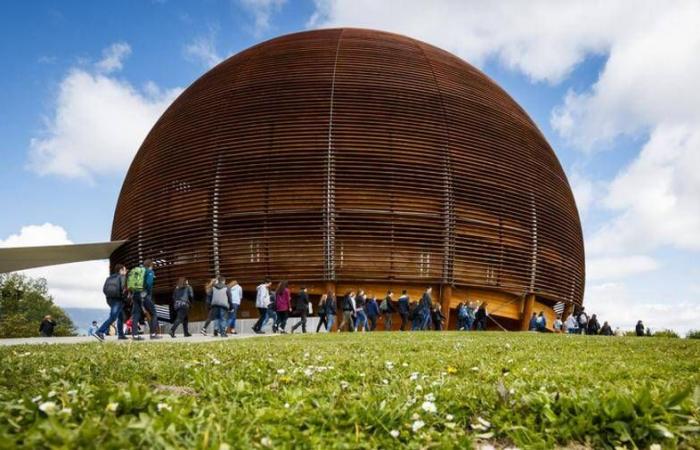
[(390, 309), (46, 327), (372, 308), (639, 329), (331, 307), (426, 302), (480, 313), (360, 302), (182, 297), (593, 326), (302, 303), (403, 304), (606, 330)]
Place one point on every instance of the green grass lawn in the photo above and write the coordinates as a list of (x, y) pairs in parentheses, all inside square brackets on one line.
[(381, 390)]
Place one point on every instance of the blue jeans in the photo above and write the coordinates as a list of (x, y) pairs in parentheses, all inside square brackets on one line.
[(360, 320), (330, 318), (425, 323), (271, 314), (220, 319), (468, 322), (115, 313), (232, 315)]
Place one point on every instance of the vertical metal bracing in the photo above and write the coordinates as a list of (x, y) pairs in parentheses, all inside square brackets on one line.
[(215, 218), (533, 264), (329, 198)]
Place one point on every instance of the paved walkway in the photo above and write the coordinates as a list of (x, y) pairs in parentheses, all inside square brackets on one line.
[(195, 338)]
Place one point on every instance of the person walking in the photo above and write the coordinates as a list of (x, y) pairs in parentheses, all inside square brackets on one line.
[(210, 310), (533, 322), (438, 317), (220, 299), (471, 316), (639, 328), (558, 325), (331, 310), (541, 322), (360, 313), (348, 312), (47, 325), (147, 298), (593, 325), (606, 329), (283, 306), (582, 321), (372, 309), (480, 317), (322, 313), (302, 308), (136, 284), (404, 310), (182, 301), (236, 297), (114, 290), (262, 300), (461, 316), (571, 324), (387, 309), (426, 304)]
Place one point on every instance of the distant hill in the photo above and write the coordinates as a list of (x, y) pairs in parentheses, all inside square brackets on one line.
[(83, 317)]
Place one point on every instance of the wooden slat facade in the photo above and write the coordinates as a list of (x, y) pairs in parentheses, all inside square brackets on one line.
[(352, 156)]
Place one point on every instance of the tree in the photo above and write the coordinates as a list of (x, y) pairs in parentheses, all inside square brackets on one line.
[(24, 302)]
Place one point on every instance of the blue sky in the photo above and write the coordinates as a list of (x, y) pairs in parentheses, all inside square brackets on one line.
[(629, 144)]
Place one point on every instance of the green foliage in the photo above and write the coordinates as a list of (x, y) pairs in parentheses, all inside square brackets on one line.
[(693, 334), (355, 391), (666, 333), (24, 302)]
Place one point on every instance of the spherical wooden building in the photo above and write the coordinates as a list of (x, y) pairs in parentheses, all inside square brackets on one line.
[(348, 158)]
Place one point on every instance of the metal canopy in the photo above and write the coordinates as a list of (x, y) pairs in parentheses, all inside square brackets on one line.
[(19, 258)]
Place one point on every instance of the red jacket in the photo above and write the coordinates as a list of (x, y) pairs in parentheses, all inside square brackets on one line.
[(283, 301)]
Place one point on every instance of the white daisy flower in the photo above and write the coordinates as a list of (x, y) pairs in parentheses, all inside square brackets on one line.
[(429, 407), (266, 442), (450, 417), (417, 425), (430, 397), (66, 411), (414, 376), (48, 407), (281, 371), (344, 384), (394, 433)]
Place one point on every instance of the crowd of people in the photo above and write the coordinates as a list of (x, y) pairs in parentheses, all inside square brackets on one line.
[(129, 295)]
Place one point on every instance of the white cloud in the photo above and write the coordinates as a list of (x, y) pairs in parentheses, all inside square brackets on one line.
[(203, 50), (540, 38), (262, 11), (70, 285), (112, 57), (612, 268), (98, 123), (613, 301), (657, 197)]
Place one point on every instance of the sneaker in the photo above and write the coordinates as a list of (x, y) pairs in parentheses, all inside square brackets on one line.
[(137, 338), (122, 338), (259, 332), (172, 335), (188, 335), (203, 331), (99, 336), (155, 336)]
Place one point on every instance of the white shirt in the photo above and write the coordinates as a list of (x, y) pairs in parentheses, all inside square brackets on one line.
[(236, 294), (571, 322), (263, 296)]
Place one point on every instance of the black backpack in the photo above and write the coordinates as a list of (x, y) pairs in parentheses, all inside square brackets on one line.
[(112, 287)]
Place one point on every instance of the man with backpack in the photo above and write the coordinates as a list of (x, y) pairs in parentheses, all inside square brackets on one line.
[(140, 283), (348, 312), (114, 290), (219, 297), (387, 309), (582, 321)]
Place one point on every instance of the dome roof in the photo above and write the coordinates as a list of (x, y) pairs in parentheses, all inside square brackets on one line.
[(349, 154)]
